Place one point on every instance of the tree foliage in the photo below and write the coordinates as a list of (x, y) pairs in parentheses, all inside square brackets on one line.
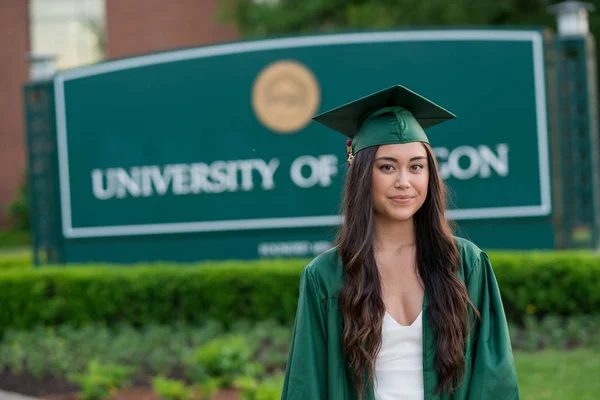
[(259, 18)]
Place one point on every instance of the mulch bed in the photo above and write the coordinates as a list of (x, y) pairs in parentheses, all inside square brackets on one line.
[(30, 386), (53, 388)]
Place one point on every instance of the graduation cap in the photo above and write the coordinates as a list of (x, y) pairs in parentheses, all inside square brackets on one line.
[(390, 116)]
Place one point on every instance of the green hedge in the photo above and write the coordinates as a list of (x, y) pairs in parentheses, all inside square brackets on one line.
[(15, 259), (223, 292), (540, 283), (560, 283), (14, 238)]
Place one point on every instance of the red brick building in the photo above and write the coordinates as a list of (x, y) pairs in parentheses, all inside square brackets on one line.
[(142, 26), (14, 47), (62, 28)]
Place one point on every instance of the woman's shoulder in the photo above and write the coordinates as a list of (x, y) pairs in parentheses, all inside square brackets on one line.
[(470, 256), (467, 247), (327, 272)]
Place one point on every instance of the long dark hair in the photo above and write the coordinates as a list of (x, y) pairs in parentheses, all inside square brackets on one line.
[(437, 260)]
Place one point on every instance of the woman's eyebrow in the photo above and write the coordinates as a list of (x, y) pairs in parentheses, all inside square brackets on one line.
[(388, 158)]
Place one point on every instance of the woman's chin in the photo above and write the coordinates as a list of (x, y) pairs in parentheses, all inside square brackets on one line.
[(398, 216)]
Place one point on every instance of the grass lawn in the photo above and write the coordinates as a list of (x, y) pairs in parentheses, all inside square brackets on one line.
[(559, 375)]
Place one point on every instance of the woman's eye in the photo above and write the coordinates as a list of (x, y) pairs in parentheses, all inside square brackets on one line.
[(417, 167), (386, 167)]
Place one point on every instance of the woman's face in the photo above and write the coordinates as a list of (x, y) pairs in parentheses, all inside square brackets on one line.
[(400, 180)]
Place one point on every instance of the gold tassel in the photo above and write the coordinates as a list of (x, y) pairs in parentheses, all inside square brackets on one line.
[(349, 151)]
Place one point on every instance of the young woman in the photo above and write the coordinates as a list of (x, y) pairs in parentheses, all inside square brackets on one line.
[(399, 308)]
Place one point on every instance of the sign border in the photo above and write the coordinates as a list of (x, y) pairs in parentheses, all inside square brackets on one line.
[(533, 36)]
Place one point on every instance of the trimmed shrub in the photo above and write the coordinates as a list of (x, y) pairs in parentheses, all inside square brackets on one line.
[(15, 260), (224, 292), (531, 284), (543, 283), (10, 239)]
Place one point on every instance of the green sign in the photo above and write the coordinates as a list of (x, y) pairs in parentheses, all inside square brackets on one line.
[(219, 139)]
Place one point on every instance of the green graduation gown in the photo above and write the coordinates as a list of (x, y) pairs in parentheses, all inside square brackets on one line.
[(316, 367)]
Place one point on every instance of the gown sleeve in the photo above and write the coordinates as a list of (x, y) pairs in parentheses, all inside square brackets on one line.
[(493, 374), (305, 374)]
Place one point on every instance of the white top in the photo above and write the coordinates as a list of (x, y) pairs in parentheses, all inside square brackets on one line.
[(399, 365)]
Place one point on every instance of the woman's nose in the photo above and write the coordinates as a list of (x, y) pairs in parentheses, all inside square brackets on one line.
[(402, 181)]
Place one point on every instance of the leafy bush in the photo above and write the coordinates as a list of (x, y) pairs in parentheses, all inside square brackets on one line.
[(555, 332), (171, 389), (544, 283), (18, 260), (101, 381), (13, 238), (548, 283), (269, 342), (268, 389), (146, 295), (223, 359), (18, 210), (208, 388), (156, 350)]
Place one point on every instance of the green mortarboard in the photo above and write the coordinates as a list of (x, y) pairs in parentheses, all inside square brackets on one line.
[(390, 116)]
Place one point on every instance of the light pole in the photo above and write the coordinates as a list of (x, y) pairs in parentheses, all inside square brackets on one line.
[(572, 17)]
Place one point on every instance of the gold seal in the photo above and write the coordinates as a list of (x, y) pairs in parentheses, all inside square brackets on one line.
[(285, 96)]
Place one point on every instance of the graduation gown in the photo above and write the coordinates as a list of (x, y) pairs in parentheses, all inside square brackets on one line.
[(316, 367)]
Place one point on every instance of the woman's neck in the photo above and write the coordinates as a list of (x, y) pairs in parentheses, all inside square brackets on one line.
[(393, 236)]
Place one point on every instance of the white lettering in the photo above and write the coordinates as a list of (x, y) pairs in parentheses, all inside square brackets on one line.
[(181, 178), (199, 176), (267, 172), (218, 172), (246, 168), (499, 163), (320, 170), (441, 154), (127, 183), (466, 162), (100, 192), (320, 247), (296, 171), (327, 168), (232, 176), (300, 248), (146, 182), (454, 162), (306, 171), (160, 183)]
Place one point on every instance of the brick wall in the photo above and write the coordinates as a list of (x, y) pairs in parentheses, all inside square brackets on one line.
[(143, 26), (133, 27), (14, 71)]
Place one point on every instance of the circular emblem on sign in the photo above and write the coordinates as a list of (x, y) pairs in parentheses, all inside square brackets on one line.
[(285, 96)]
